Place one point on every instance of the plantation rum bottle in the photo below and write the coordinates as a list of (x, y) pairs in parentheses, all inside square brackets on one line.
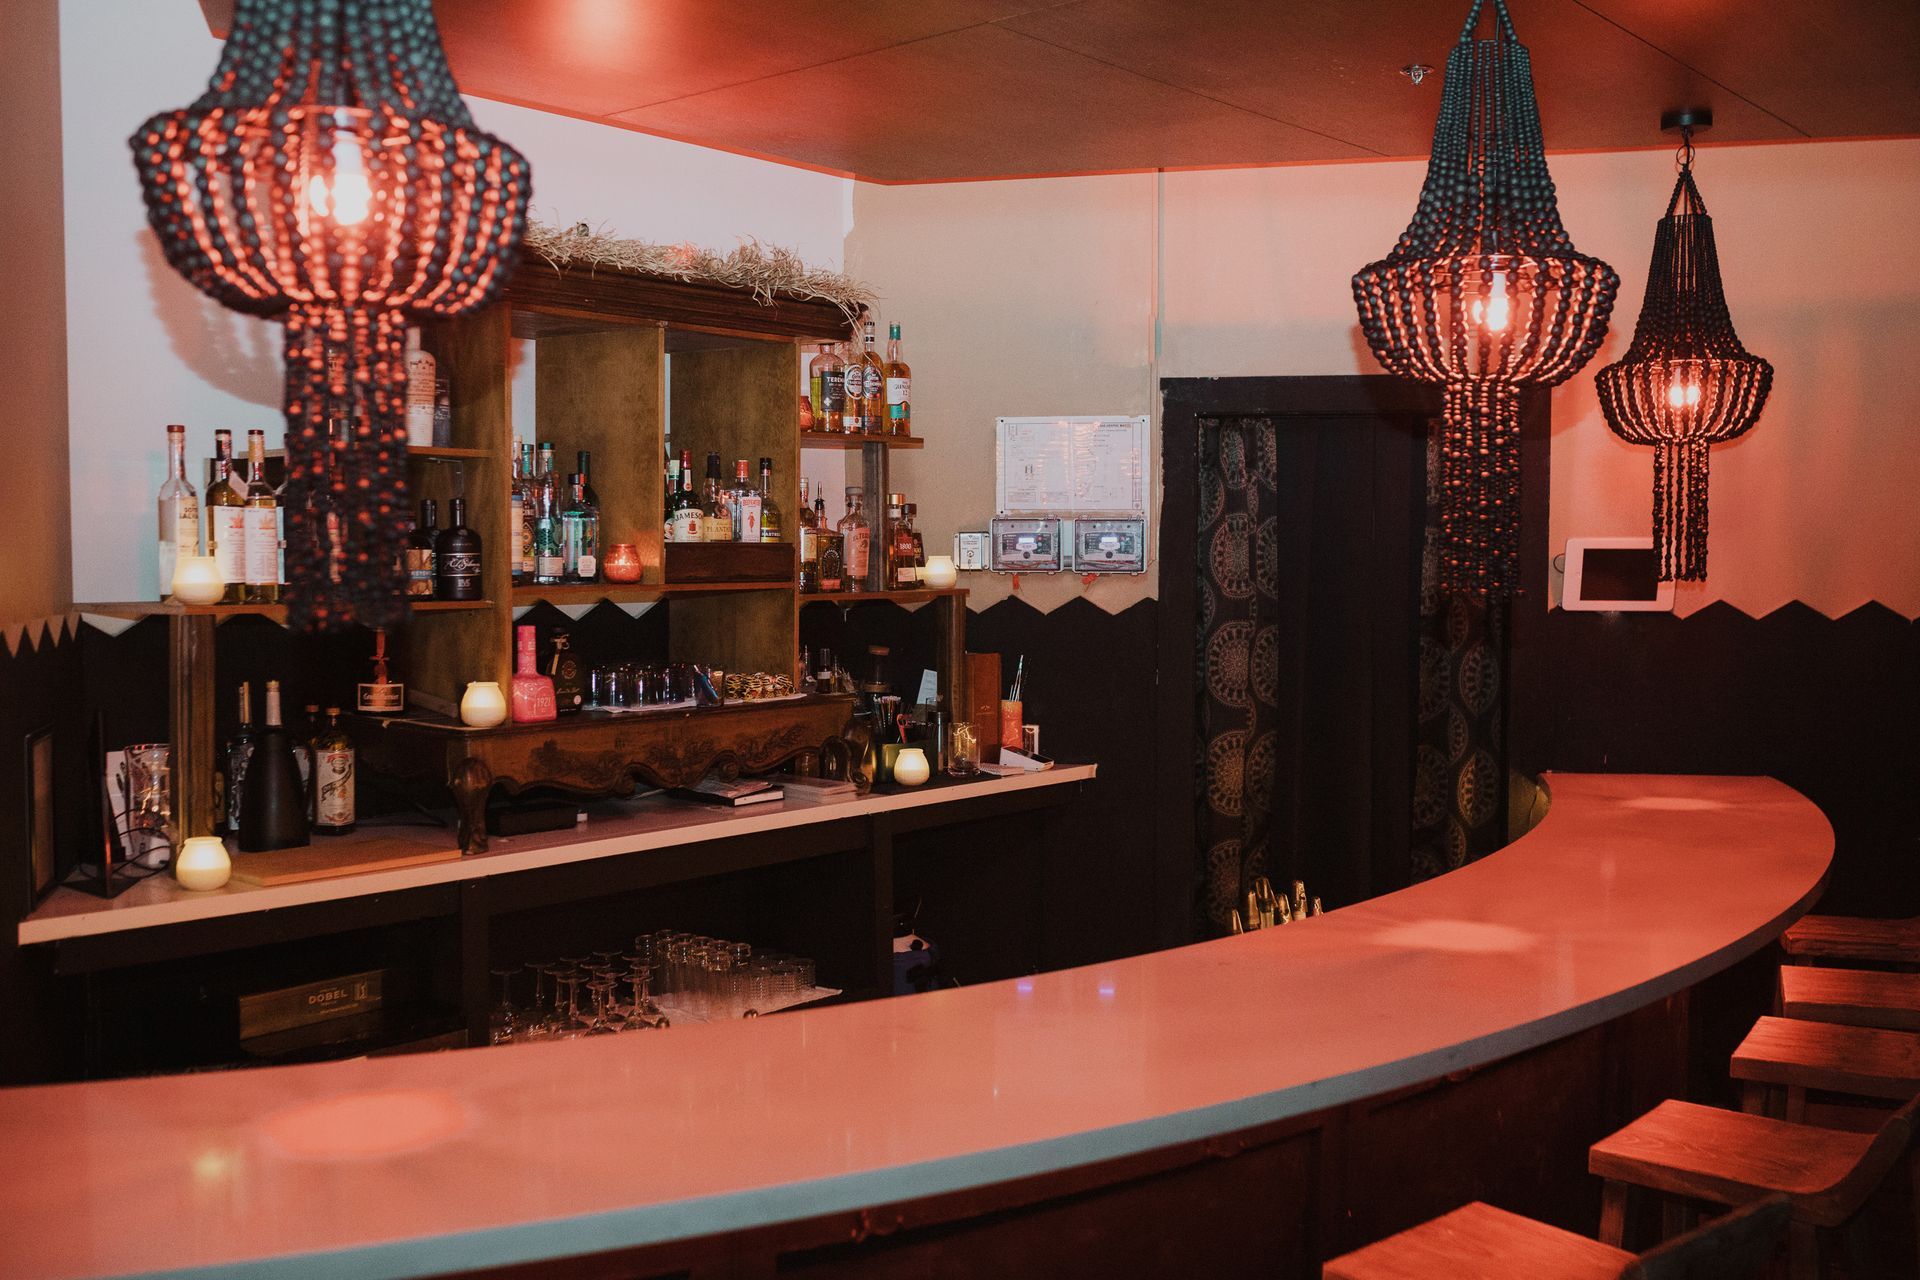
[(420, 554), (580, 533), (227, 520), (873, 386), (239, 752), (179, 508), (771, 526), (262, 526), (456, 558), (826, 378), (333, 770), (856, 540), (899, 387), (716, 515), (273, 808)]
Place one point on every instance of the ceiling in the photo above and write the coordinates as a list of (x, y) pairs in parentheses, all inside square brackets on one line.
[(932, 90)]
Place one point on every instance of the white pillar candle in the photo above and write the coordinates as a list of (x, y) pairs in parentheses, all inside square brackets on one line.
[(910, 767), (483, 705), (197, 580), (940, 573), (202, 863)]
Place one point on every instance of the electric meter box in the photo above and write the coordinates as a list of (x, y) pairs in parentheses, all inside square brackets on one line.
[(1107, 545), (1026, 544)]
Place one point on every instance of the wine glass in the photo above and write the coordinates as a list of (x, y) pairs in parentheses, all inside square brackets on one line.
[(504, 1021)]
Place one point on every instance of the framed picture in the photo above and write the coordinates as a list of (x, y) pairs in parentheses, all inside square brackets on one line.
[(39, 813), (1614, 575)]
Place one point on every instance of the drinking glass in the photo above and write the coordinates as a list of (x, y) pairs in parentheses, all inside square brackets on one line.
[(571, 1024), (149, 787), (504, 1020), (602, 1023), (963, 751)]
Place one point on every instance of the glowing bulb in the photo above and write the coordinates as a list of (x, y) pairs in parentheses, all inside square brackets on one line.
[(1495, 310), (1683, 395), (347, 195)]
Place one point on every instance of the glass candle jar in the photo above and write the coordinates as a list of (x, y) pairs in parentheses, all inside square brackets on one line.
[(202, 863), (910, 768), (483, 705), (197, 580), (621, 563)]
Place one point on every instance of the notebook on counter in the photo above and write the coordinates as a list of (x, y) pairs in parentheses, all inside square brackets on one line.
[(736, 794)]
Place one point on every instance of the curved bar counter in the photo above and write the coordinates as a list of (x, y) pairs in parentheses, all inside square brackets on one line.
[(1630, 891)]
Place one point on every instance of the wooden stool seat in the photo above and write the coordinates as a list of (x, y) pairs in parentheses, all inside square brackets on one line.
[(1852, 938), (1730, 1157), (1829, 1056), (1479, 1242), (1858, 997)]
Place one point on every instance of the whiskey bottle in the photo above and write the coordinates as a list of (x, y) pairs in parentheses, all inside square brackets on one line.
[(179, 508), (262, 526), (273, 810), (580, 533), (716, 513), (873, 386), (826, 377), (420, 551), (899, 387), (239, 752), (333, 780), (807, 541), (456, 558), (688, 519), (909, 512), (903, 570), (227, 520), (832, 574), (771, 526), (856, 540), (746, 505), (516, 517)]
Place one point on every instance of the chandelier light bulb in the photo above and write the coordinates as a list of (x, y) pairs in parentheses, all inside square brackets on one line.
[(347, 196), (1494, 311), (1683, 395)]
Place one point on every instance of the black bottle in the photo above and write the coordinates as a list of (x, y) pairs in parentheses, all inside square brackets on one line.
[(420, 551), (585, 458), (273, 804), (569, 682), (456, 558), (239, 751)]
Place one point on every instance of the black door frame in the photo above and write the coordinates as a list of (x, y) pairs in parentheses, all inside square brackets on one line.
[(1183, 402)]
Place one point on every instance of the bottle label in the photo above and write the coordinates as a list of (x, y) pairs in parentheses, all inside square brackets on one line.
[(899, 393), (833, 392), (517, 530), (686, 525), (333, 788), (237, 760), (549, 566), (420, 571), (459, 568), (857, 554), (906, 575), (876, 382), (748, 525), (227, 530), (186, 529), (262, 536)]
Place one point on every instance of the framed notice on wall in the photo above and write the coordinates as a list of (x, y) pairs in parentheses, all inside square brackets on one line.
[(1071, 466)]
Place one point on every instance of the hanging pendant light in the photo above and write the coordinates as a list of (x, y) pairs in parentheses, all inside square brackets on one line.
[(1485, 294), (1686, 383), (331, 176)]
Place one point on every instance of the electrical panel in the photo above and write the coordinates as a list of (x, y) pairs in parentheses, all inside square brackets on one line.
[(1026, 544), (1110, 545)]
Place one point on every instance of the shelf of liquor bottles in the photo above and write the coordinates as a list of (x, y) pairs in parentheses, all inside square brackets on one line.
[(839, 440), (914, 595), (136, 609), (633, 592)]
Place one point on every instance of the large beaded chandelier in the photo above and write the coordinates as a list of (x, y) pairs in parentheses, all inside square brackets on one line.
[(331, 176), (1485, 294), (1686, 382)]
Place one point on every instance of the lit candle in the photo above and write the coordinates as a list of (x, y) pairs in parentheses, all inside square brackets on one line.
[(940, 573), (910, 767), (202, 863), (197, 580), (622, 563), (483, 705)]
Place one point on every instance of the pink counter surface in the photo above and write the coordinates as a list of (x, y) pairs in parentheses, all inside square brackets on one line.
[(1632, 888)]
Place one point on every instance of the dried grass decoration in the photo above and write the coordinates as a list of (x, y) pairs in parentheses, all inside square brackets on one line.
[(764, 272)]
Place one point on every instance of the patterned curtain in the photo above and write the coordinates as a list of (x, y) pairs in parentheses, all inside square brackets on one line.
[(1237, 644), (1460, 776)]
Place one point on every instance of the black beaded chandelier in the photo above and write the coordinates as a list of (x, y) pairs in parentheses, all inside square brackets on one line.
[(1686, 383), (331, 176), (1485, 294)]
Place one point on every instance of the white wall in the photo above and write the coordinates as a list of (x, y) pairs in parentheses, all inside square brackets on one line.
[(145, 349)]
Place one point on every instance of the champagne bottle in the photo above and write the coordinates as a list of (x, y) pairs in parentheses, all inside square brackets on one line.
[(333, 778), (273, 811), (227, 520)]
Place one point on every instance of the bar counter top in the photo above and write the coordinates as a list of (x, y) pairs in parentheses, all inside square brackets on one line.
[(1631, 888)]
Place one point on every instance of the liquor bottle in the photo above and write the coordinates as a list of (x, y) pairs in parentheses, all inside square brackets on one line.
[(442, 413), (856, 540), (262, 526), (873, 385), (826, 378), (273, 810), (903, 569), (532, 692), (563, 667), (324, 525), (771, 526), (899, 387), (833, 576), (579, 533), (528, 501), (746, 505), (688, 519), (807, 538), (671, 501), (422, 370), (227, 520), (333, 770), (456, 557), (421, 545), (239, 752), (910, 512), (302, 732), (517, 518), (179, 510), (584, 458), (549, 559), (716, 513)]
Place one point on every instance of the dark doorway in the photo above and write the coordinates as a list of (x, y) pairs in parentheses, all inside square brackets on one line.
[(1319, 723)]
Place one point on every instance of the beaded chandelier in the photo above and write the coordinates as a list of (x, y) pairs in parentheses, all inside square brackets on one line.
[(1686, 382), (331, 176), (1485, 294)]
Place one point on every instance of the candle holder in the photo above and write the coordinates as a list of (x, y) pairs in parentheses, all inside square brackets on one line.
[(622, 563), (203, 864), (483, 706), (197, 580)]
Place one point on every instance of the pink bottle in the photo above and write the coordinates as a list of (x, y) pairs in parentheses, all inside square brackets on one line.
[(532, 692)]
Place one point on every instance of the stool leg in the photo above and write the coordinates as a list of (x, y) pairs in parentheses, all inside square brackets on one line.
[(1753, 1098), (1803, 1251), (1796, 1104), (1613, 1212), (1676, 1217)]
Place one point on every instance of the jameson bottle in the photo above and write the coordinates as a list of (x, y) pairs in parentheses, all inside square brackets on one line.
[(333, 799), (262, 526), (179, 530), (456, 557), (239, 752), (273, 810), (227, 520), (420, 551), (688, 519)]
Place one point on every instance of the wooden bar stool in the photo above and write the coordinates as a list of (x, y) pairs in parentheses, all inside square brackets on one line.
[(1854, 938), (1794, 1055), (1690, 1152), (1858, 997), (1479, 1242)]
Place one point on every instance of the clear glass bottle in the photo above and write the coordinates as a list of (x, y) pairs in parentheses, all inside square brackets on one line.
[(262, 526), (549, 554), (826, 378), (227, 520), (239, 752), (899, 387), (903, 569), (807, 540), (580, 533), (333, 769), (873, 385), (516, 517), (746, 505), (179, 510), (420, 551), (772, 527), (856, 540)]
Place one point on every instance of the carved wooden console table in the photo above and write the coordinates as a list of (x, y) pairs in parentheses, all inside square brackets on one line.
[(601, 753)]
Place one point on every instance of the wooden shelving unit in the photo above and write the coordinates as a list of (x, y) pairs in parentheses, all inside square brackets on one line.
[(919, 595), (838, 440), (136, 609), (634, 592)]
